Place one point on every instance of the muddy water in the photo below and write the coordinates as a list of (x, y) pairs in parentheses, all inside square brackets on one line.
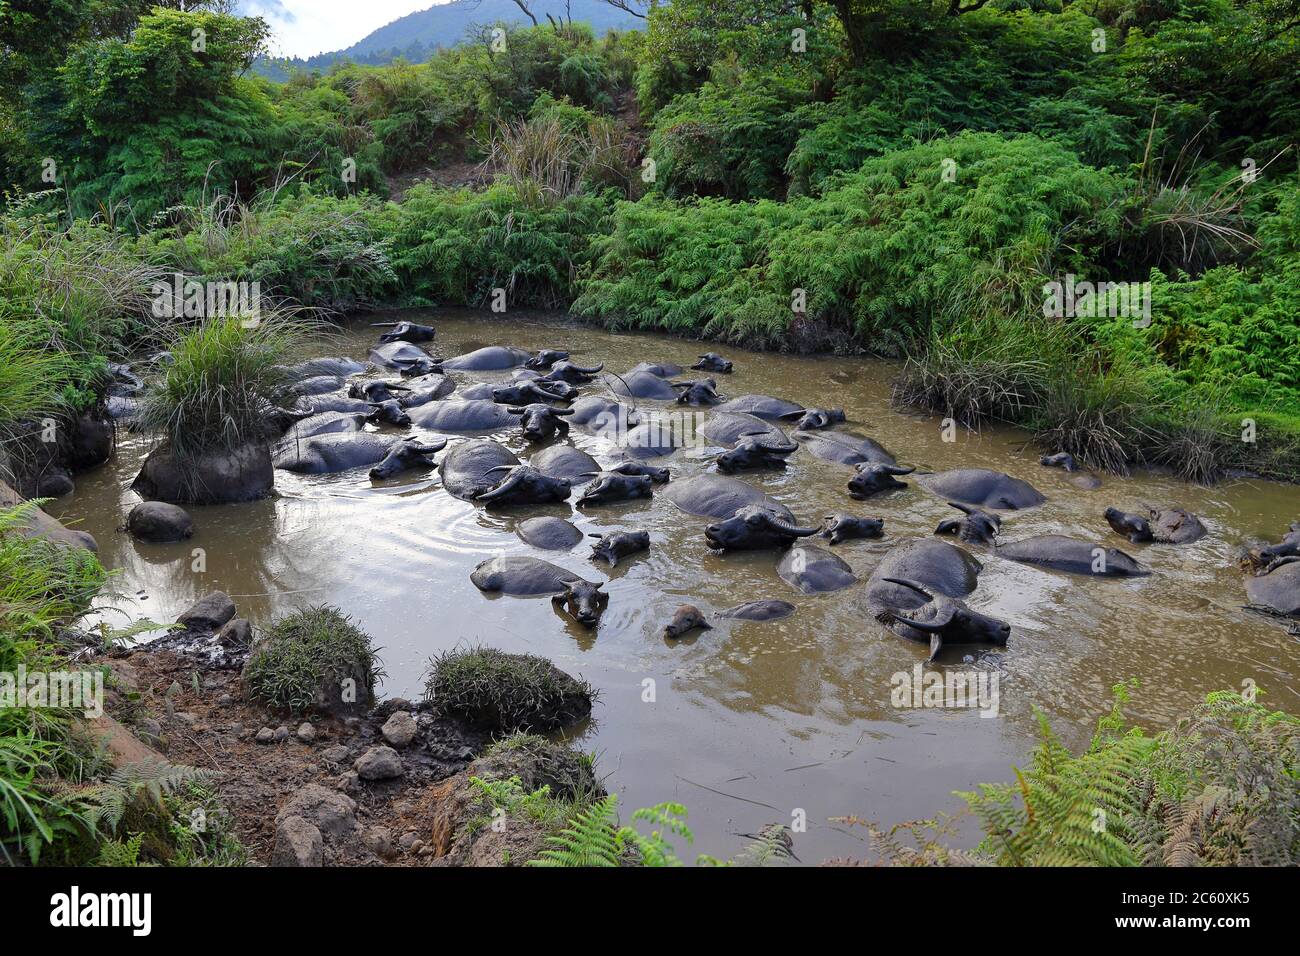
[(750, 722)]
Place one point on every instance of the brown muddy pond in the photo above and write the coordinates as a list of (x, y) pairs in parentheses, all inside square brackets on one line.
[(751, 722)]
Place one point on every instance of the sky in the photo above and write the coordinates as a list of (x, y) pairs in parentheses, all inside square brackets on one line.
[(304, 28)]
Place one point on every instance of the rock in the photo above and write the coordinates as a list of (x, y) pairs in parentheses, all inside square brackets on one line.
[(306, 732), (379, 763), (40, 524), (226, 700), (333, 813), (149, 730), (297, 843), (55, 484), (379, 841), (281, 734), (399, 730), (186, 718), (408, 840), (87, 442), (336, 754), (236, 634), (265, 736), (159, 522), (220, 477), (210, 613)]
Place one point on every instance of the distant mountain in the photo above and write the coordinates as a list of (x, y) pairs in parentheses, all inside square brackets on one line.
[(417, 36)]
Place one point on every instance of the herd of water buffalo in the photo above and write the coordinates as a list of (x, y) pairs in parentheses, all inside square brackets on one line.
[(916, 591)]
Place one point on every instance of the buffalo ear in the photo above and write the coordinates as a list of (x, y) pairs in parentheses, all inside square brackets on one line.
[(558, 598)]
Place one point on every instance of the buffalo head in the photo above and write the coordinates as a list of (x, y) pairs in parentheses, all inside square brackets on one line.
[(755, 452), (409, 453), (811, 419), (979, 527), (541, 422), (584, 600), (545, 358), (874, 477), (943, 619), (525, 485), (753, 527)]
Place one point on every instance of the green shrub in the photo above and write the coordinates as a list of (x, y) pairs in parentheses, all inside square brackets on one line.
[(220, 384), (507, 692), (303, 662)]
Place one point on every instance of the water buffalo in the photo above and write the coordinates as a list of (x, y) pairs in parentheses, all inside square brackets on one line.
[(1071, 555), (404, 332), (565, 461), (609, 487), (660, 369), (713, 362), (472, 468), (754, 527), (978, 527), (641, 385), (765, 610), (982, 488), (316, 385), (479, 391), (548, 533), (841, 527), (544, 359), (390, 412), (491, 358), (944, 619), (325, 424), (843, 448), (761, 406), (619, 544), (341, 451), (659, 476), (873, 477), (404, 357), (685, 619), (602, 412), (431, 392), (753, 452), (1162, 525), (407, 454), (1279, 587), (698, 392), (525, 577), (333, 403), (462, 416), (1273, 553), (727, 429), (651, 439), (526, 394), (812, 419), (1132, 526), (718, 496), (541, 422), (375, 392), (341, 367), (524, 485), (565, 371), (814, 570), (1063, 460), (920, 578)]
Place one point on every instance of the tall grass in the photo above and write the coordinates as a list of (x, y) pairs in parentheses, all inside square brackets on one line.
[(222, 380), (546, 159)]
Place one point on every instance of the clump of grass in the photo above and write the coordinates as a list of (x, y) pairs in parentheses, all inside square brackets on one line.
[(506, 692), (222, 380), (546, 159), (977, 371), (310, 660)]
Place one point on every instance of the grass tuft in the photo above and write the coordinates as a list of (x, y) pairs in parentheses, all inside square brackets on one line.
[(506, 692)]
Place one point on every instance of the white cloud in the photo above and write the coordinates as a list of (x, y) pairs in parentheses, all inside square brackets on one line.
[(307, 27)]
